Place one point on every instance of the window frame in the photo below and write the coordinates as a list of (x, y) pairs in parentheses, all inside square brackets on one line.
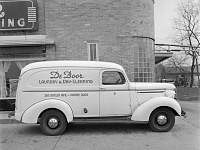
[(119, 72), (89, 43)]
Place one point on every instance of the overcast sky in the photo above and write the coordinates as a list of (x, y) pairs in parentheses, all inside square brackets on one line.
[(164, 12)]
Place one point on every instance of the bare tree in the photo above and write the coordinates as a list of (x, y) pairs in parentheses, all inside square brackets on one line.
[(177, 61), (187, 27)]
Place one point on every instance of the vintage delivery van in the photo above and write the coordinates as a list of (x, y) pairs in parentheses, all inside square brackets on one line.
[(55, 93)]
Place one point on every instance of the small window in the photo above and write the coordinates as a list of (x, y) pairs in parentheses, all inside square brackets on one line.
[(112, 78), (93, 54)]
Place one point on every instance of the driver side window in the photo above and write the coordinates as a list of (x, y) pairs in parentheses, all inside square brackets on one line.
[(112, 78)]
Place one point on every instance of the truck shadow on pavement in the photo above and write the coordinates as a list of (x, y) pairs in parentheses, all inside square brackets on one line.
[(91, 128), (104, 128)]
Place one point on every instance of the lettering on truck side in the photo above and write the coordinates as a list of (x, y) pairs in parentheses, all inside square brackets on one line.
[(57, 77), (66, 95)]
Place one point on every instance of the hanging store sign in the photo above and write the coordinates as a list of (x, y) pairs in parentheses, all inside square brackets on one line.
[(18, 15)]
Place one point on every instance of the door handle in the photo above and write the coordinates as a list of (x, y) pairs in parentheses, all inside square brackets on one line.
[(102, 88)]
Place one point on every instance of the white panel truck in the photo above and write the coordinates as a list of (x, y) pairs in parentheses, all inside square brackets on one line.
[(56, 93)]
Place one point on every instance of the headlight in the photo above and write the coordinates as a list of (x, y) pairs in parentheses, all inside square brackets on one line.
[(171, 94)]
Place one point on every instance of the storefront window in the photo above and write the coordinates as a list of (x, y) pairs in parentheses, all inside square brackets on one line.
[(4, 66), (9, 74)]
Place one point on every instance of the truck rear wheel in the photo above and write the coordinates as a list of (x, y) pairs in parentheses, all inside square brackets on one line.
[(162, 120), (53, 122)]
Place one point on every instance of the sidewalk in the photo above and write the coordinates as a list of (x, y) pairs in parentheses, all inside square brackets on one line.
[(4, 118)]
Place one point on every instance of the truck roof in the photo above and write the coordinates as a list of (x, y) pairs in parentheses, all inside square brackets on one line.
[(67, 63)]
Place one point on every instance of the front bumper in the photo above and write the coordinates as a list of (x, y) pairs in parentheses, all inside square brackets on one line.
[(183, 113)]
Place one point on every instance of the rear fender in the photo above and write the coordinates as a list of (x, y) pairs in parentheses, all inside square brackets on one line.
[(143, 112), (32, 113)]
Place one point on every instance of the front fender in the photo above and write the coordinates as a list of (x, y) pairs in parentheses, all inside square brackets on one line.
[(143, 112), (32, 113)]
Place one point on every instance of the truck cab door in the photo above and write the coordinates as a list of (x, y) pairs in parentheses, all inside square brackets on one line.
[(114, 94)]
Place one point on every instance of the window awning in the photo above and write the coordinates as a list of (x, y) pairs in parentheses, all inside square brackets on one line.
[(29, 40), (161, 56)]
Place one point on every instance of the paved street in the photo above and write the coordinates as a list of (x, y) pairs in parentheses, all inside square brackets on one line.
[(107, 135)]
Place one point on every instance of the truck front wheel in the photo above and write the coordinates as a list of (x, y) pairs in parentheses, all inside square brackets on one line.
[(162, 120), (53, 122)]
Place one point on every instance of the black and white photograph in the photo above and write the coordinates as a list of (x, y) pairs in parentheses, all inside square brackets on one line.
[(99, 74)]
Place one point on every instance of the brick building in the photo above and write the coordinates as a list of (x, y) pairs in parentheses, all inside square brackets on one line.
[(120, 31)]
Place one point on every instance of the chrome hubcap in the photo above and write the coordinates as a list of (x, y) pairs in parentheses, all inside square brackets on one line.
[(53, 123), (162, 119)]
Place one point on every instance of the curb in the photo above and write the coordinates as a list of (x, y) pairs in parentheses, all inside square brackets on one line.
[(4, 119), (9, 121)]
